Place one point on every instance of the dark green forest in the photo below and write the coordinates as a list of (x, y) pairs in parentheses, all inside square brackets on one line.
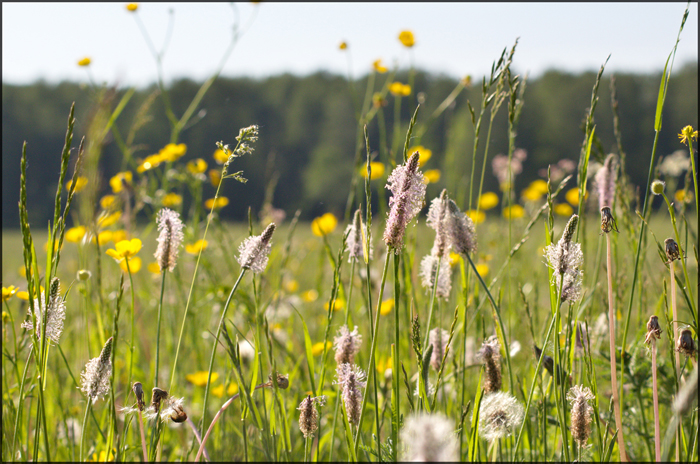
[(308, 132)]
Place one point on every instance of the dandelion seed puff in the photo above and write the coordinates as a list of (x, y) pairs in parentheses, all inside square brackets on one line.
[(55, 314), (255, 250), (428, 268), (169, 239), (438, 338), (580, 413), (308, 418), (606, 180), (430, 438), (500, 415), (490, 356), (95, 377), (346, 344), (352, 379), (173, 410), (406, 185)]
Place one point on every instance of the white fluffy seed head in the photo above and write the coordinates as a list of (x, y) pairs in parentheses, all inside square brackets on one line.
[(500, 415), (429, 438)]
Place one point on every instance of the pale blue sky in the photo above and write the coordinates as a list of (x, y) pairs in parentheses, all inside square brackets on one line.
[(46, 40)]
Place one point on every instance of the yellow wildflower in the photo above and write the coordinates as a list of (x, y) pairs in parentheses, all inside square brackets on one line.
[(337, 306), (431, 176), (197, 166), (232, 389), (103, 237), (407, 39), (153, 267), (108, 220), (317, 348), (173, 152), (386, 307), (513, 212), (377, 65), (531, 194), (384, 364), (8, 292), (572, 196), (291, 286), (681, 196), (482, 269), (539, 185), (150, 162), (218, 391), (424, 154), (102, 457), (688, 134), (216, 204), (75, 234), (55, 246), (23, 295), (196, 247), (85, 62), (119, 179), (215, 177), (199, 378), (119, 235), (309, 296), (477, 216), (324, 225), (454, 258), (172, 199), (80, 183), (343, 45), (400, 90), (220, 156), (107, 201), (132, 6), (488, 200), (134, 265), (377, 170), (125, 249), (563, 209)]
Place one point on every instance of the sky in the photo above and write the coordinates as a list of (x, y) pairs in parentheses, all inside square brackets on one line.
[(46, 40)]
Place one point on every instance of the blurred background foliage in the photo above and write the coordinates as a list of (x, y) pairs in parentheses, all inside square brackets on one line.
[(308, 132)]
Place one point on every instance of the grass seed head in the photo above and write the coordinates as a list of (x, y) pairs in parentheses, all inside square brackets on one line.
[(352, 379), (308, 418), (606, 180), (408, 194), (490, 355), (581, 412), (255, 250), (438, 338), (95, 377), (169, 239), (346, 344)]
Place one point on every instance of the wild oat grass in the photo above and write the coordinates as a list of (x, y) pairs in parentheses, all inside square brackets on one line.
[(282, 340)]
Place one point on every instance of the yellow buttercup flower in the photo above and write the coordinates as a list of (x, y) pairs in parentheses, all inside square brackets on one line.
[(400, 90), (55, 246), (309, 296), (215, 177), (108, 220), (119, 235), (134, 265), (424, 154), (291, 286), (199, 378), (682, 197), (85, 62), (107, 201), (343, 45), (103, 237), (377, 170), (337, 306), (197, 166), (572, 196), (218, 391), (125, 249), (119, 179), (173, 152), (196, 247), (477, 216), (75, 234), (386, 306), (377, 65), (563, 209), (482, 269), (454, 258), (324, 225), (384, 364), (102, 457), (220, 156), (217, 204), (24, 295), (8, 292), (132, 6), (407, 39), (153, 267), (232, 389), (317, 348), (431, 176), (539, 185), (80, 183), (688, 134), (531, 194), (172, 199), (488, 200), (150, 162), (513, 212)]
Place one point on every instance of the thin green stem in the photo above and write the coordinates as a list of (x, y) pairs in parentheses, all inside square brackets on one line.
[(84, 429), (160, 308)]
